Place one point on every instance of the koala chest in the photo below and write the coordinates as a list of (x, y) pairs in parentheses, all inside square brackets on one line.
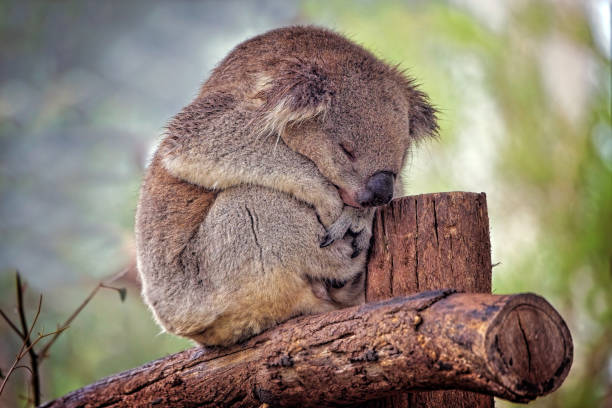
[(169, 212)]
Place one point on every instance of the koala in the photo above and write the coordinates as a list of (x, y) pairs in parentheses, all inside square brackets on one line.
[(258, 203)]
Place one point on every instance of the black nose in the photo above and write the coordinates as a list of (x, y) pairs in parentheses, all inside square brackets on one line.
[(379, 190)]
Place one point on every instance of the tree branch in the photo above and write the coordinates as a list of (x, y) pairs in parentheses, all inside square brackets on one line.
[(12, 325), (27, 345), (25, 334), (35, 378), (44, 353), (515, 347)]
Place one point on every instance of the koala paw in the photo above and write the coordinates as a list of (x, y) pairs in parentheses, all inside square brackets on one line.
[(329, 207), (361, 242), (357, 223)]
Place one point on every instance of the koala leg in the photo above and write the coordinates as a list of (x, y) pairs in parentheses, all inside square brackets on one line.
[(259, 252)]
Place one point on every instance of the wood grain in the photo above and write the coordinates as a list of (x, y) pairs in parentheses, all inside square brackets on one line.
[(433, 340), (429, 242)]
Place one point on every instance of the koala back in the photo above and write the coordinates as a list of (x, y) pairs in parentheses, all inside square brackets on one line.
[(170, 211)]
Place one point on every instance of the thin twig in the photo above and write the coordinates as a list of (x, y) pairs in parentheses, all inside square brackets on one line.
[(22, 352), (35, 380), (13, 326), (24, 345), (42, 336), (27, 346), (120, 291), (44, 352), (23, 366)]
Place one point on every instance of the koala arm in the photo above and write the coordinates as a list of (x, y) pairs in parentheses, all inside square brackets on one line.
[(220, 153)]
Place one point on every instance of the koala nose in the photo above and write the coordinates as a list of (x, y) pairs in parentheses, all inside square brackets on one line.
[(379, 190)]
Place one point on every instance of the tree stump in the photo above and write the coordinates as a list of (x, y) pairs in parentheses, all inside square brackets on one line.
[(429, 242)]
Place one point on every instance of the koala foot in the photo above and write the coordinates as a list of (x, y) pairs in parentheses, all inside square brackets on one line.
[(361, 242), (339, 228), (356, 222), (334, 283)]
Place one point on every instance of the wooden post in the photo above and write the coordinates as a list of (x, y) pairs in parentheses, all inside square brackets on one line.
[(429, 242)]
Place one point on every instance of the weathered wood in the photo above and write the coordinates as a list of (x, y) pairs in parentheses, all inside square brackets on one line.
[(429, 242), (516, 347)]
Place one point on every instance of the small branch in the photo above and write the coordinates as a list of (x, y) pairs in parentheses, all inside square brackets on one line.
[(12, 325), (25, 334), (121, 291), (44, 353), (35, 378), (26, 346), (23, 366), (22, 352)]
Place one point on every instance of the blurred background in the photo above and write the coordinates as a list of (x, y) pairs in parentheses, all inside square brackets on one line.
[(86, 88)]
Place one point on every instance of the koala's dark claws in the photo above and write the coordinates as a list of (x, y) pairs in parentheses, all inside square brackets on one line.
[(327, 241), (356, 252), (335, 283)]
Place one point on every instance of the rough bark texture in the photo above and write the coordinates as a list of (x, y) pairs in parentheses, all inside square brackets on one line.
[(429, 242), (516, 347)]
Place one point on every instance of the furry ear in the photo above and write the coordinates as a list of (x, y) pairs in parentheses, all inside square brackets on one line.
[(298, 90), (423, 116)]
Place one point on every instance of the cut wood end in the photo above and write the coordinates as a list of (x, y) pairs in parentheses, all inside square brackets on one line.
[(530, 347)]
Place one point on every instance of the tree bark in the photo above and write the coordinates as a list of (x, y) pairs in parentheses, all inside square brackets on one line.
[(429, 242), (515, 347)]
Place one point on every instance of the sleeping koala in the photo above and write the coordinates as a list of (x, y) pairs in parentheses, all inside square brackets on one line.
[(258, 203)]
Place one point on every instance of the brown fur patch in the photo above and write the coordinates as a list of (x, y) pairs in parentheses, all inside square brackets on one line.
[(171, 209)]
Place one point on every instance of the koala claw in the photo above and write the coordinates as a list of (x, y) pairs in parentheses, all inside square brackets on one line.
[(327, 241), (361, 242), (334, 283), (338, 229)]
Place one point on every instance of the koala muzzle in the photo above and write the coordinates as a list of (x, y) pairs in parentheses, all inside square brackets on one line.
[(378, 191)]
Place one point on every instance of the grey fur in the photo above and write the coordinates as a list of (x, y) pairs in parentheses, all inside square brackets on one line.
[(256, 174)]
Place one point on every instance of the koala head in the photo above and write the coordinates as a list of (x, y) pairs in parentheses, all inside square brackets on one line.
[(356, 128), (353, 115), (334, 102)]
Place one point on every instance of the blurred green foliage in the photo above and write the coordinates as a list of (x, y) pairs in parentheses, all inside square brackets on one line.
[(524, 100)]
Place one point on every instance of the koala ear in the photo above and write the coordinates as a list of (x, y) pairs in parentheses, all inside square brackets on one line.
[(298, 90), (423, 116)]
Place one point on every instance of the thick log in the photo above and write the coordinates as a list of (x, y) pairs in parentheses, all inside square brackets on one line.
[(430, 242), (516, 347)]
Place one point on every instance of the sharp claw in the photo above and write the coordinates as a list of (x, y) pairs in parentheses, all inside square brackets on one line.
[(334, 283), (356, 252), (327, 241)]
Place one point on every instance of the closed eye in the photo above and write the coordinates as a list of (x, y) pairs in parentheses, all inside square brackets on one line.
[(347, 151)]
